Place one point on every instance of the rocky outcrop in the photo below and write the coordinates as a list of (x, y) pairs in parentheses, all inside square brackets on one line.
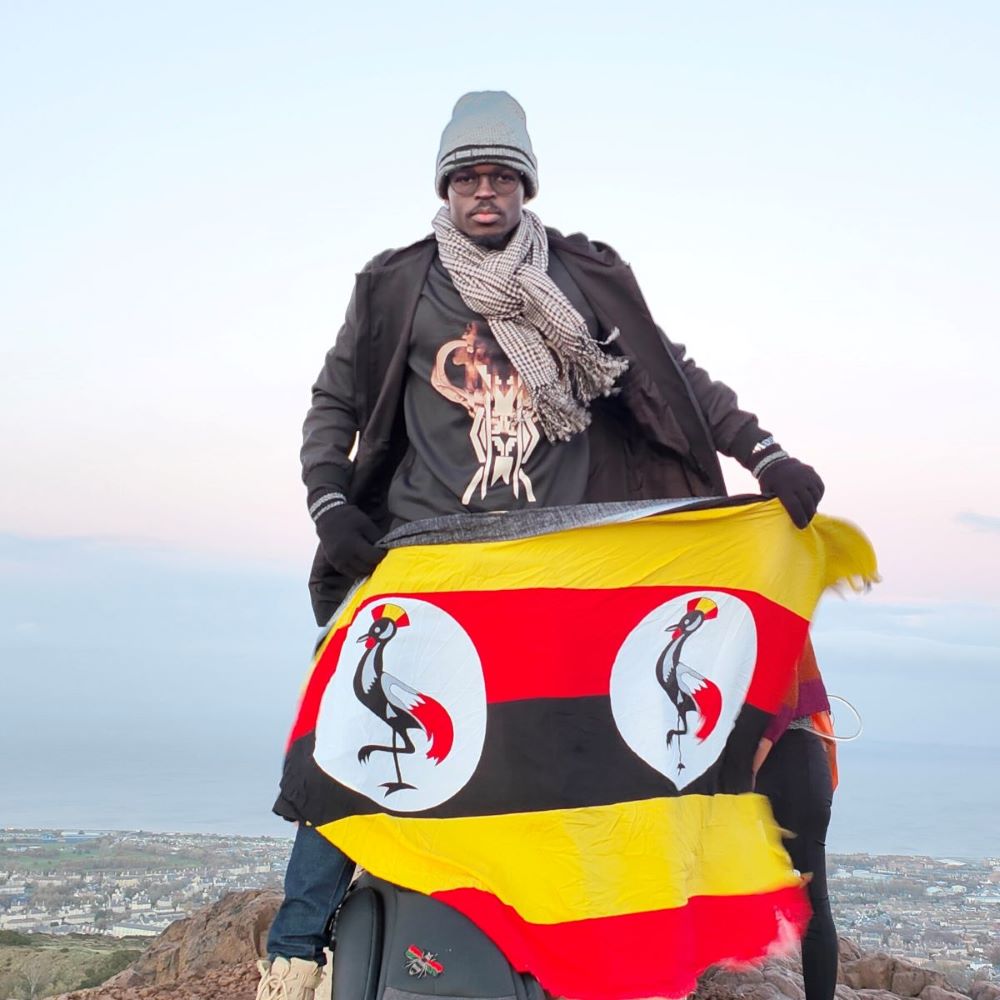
[(862, 977), (984, 991), (894, 976), (234, 983), (231, 932), (212, 955)]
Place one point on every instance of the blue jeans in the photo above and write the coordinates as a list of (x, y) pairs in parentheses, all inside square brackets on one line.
[(316, 881)]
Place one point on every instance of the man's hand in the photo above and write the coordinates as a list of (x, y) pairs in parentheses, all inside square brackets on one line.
[(346, 534), (796, 485), (760, 755)]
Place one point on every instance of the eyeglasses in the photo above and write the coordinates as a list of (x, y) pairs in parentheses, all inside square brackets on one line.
[(466, 182)]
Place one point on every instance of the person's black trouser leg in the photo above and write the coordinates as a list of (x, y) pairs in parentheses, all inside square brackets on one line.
[(796, 778)]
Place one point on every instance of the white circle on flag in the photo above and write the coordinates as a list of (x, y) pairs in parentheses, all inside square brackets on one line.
[(708, 643), (421, 690)]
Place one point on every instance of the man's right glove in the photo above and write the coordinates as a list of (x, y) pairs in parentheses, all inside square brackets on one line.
[(347, 535)]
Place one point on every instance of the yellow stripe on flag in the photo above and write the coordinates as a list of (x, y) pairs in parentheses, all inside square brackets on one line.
[(574, 864), (754, 547)]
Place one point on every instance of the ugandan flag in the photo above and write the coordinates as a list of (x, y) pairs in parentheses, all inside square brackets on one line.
[(554, 735)]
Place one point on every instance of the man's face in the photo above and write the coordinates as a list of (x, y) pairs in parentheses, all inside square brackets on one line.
[(485, 214)]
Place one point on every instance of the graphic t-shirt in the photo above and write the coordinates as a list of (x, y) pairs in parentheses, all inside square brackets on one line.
[(475, 442)]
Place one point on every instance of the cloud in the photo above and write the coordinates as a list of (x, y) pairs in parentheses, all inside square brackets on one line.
[(94, 632), (963, 621), (144, 687), (979, 522)]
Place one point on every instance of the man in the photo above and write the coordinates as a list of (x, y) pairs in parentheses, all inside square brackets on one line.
[(495, 365)]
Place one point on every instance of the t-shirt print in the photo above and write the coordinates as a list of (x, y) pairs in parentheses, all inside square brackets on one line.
[(474, 444), (473, 372)]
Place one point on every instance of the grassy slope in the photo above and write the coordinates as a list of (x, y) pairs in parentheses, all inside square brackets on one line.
[(100, 855), (57, 963)]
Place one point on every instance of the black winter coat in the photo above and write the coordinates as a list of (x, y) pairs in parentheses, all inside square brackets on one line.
[(658, 438)]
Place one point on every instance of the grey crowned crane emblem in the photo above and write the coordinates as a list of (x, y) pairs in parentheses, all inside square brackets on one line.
[(688, 690), (401, 707)]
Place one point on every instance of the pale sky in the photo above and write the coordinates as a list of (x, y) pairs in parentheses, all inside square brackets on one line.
[(807, 193)]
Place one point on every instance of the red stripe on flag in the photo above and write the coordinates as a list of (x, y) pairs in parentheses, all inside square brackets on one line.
[(659, 953), (305, 721), (522, 635)]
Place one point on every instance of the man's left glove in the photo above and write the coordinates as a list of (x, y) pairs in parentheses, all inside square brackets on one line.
[(794, 483)]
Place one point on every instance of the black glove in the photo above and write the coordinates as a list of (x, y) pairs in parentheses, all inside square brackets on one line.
[(346, 534), (795, 484)]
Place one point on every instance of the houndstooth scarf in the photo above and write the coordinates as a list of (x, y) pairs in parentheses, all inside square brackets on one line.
[(545, 338)]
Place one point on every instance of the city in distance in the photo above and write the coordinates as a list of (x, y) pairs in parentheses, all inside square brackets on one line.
[(941, 913)]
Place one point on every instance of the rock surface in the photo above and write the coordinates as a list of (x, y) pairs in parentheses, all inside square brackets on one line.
[(212, 955), (984, 991), (237, 983)]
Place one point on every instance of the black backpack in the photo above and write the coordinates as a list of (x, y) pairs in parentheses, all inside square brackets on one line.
[(393, 944)]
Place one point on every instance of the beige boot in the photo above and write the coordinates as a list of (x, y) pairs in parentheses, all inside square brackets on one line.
[(288, 980)]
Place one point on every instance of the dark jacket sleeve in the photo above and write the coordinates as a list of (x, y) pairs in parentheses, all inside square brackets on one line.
[(733, 430), (331, 425)]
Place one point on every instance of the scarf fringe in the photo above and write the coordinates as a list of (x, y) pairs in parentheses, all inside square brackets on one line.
[(598, 376), (559, 414)]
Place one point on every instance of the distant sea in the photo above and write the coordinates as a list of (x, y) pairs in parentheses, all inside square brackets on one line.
[(893, 798), (899, 798)]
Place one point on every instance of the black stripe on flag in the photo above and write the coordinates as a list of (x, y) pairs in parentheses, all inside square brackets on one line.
[(546, 753)]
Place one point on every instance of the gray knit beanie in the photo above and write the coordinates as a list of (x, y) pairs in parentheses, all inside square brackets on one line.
[(487, 126)]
